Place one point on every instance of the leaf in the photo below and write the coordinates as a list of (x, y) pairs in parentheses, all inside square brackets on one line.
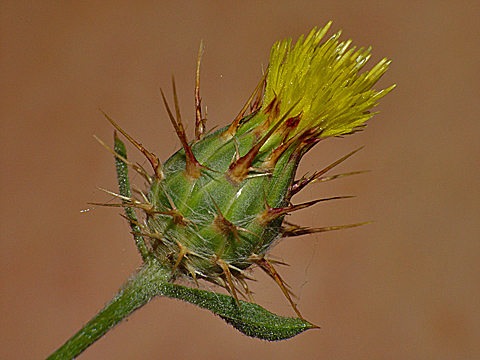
[(250, 319), (125, 190)]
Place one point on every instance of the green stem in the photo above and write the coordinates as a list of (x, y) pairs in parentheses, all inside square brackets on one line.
[(138, 291), (153, 280)]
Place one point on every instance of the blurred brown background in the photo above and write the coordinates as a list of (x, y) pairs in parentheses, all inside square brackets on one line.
[(404, 287)]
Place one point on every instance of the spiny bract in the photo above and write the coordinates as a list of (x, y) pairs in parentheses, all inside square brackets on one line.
[(217, 206)]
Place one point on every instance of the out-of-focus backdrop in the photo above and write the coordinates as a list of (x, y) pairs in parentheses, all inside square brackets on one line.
[(404, 287)]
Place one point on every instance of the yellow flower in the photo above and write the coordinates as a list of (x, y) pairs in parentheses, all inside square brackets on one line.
[(321, 84)]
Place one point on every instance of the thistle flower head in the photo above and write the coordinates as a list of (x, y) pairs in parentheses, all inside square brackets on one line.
[(217, 206)]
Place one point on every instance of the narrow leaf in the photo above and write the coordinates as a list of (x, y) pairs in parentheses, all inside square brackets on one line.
[(124, 189), (250, 319)]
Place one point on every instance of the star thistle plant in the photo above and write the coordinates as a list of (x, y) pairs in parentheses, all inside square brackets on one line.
[(217, 207)]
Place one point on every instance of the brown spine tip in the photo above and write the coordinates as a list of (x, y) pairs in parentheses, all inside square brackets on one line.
[(200, 122), (232, 129), (267, 266), (238, 170), (191, 270), (226, 271), (273, 110), (259, 98), (316, 176), (275, 155), (192, 168), (292, 230), (176, 215), (152, 158), (270, 214), (223, 226), (247, 290), (136, 167), (181, 253)]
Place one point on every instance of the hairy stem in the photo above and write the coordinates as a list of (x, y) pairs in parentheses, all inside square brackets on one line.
[(153, 280), (138, 291)]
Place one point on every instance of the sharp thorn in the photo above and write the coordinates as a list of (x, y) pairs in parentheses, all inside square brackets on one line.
[(238, 171), (139, 169), (200, 125), (292, 230), (150, 157), (270, 270), (338, 176), (177, 106), (125, 198), (183, 250), (228, 275), (192, 168), (271, 214), (300, 184), (246, 289), (228, 134)]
